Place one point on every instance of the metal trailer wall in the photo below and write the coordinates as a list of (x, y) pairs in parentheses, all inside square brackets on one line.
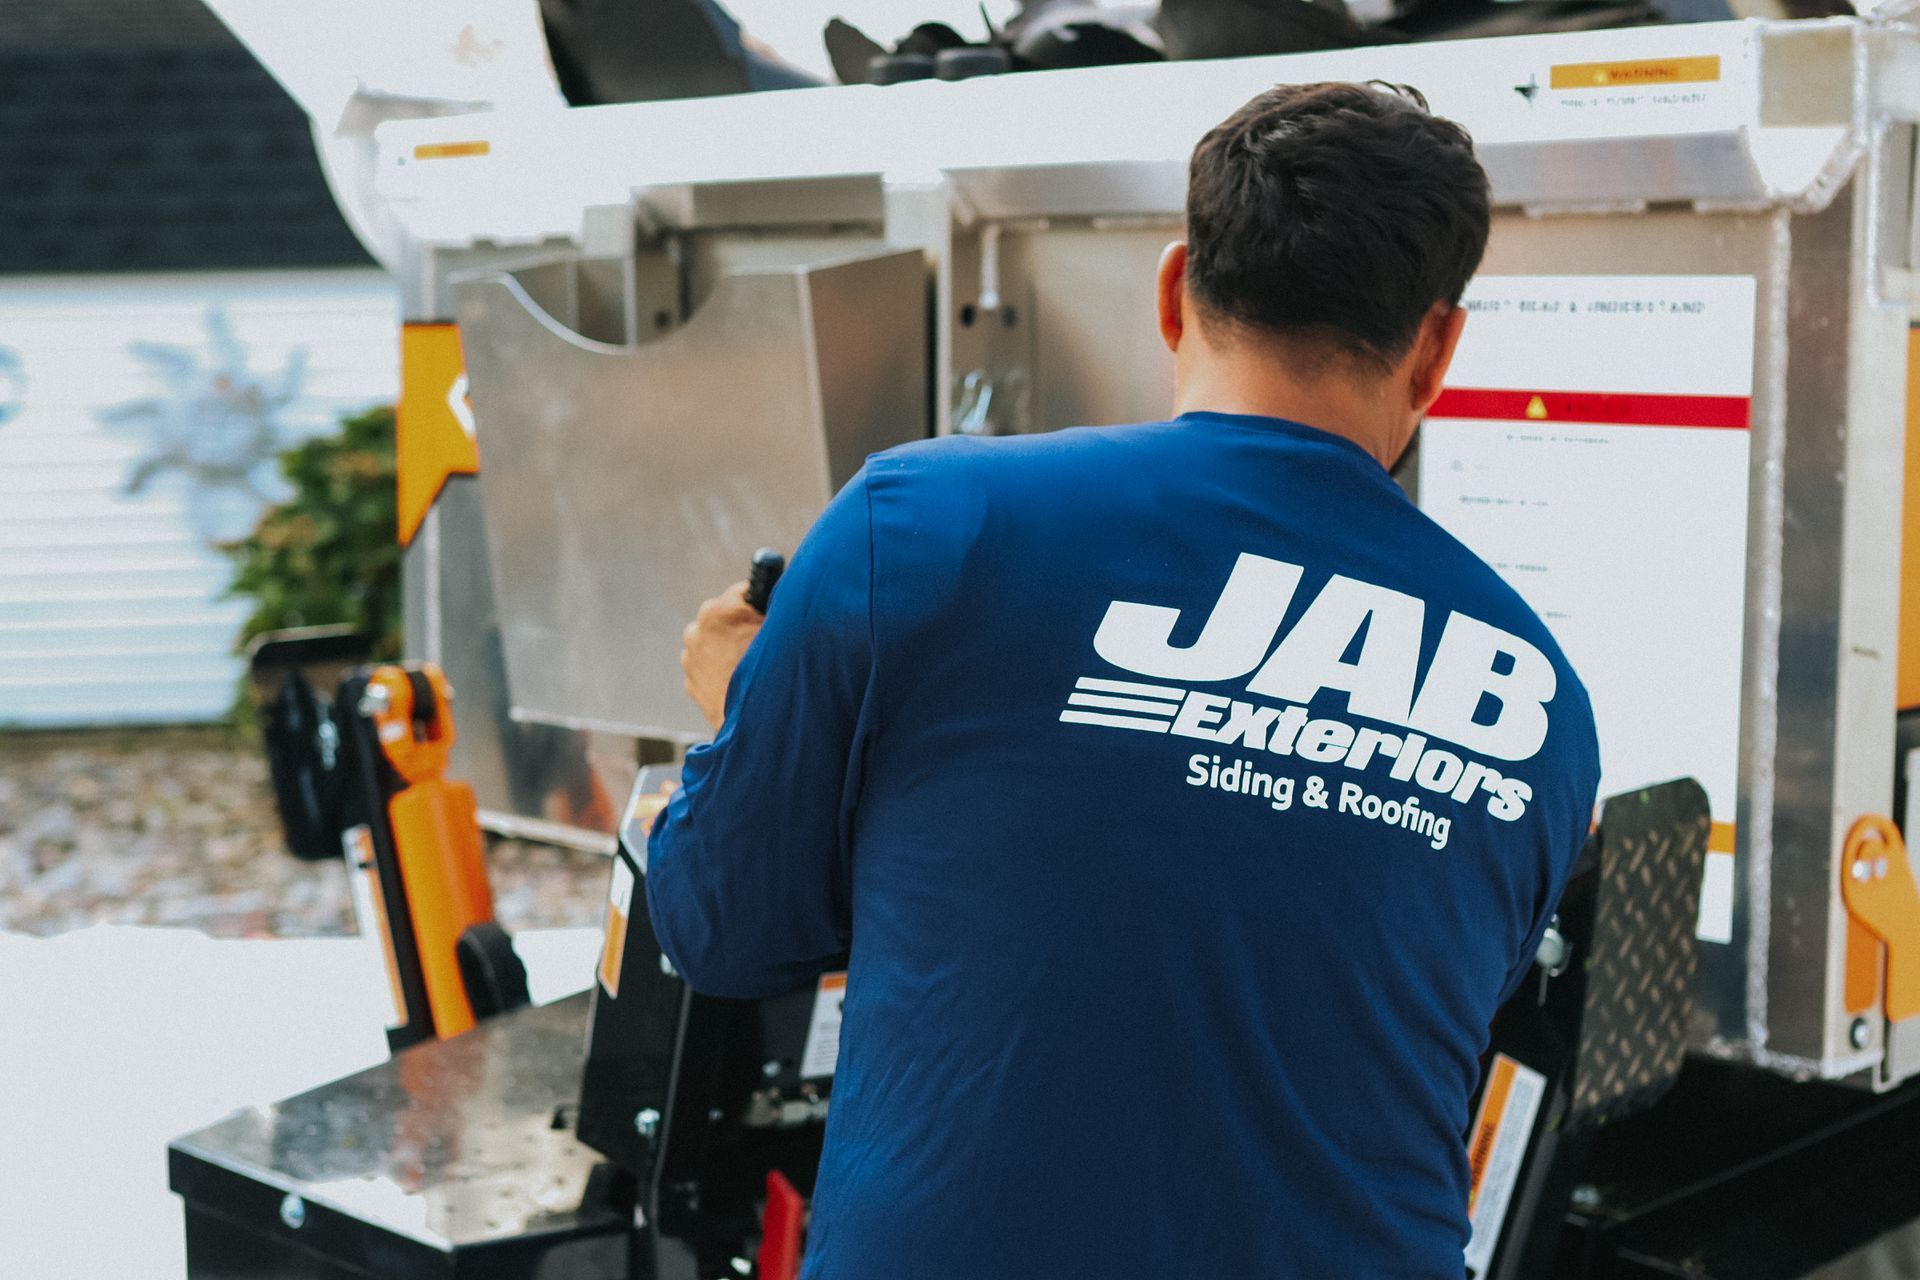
[(1786, 158)]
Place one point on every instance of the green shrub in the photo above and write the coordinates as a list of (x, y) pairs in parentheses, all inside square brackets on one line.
[(330, 553)]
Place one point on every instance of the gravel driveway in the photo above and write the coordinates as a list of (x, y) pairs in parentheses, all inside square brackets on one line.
[(177, 827)]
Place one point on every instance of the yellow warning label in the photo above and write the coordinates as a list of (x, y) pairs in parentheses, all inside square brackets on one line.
[(433, 436), (1627, 75), (1909, 664), (613, 945), (370, 909), (1536, 408), (452, 150)]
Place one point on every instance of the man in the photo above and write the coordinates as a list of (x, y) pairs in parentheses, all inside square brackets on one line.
[(1184, 800)]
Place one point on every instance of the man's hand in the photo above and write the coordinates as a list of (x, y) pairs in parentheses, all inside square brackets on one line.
[(711, 648)]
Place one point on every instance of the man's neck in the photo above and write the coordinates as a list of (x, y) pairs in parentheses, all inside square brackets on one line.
[(1335, 405)]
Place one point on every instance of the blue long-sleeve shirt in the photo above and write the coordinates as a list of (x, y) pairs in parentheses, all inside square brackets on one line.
[(1187, 801)]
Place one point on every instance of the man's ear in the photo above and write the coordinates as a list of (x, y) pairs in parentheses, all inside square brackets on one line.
[(1170, 284), (1433, 352)]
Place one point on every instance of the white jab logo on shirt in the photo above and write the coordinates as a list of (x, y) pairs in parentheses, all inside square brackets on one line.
[(1474, 663)]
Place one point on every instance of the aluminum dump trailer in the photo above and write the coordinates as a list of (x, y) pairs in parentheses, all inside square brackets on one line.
[(641, 341), (1677, 422)]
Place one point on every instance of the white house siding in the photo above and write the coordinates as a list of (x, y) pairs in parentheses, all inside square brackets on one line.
[(111, 608)]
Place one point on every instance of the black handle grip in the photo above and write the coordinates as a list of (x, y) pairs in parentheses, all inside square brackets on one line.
[(768, 565)]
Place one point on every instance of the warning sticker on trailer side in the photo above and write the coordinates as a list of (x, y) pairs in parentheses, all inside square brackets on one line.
[(619, 906), (1591, 429), (1495, 1148), (822, 1052), (1635, 74), (370, 910)]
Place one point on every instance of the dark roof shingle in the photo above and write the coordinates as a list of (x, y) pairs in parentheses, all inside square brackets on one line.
[(149, 139), (109, 24)]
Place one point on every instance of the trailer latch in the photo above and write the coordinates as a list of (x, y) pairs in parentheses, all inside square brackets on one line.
[(1877, 884)]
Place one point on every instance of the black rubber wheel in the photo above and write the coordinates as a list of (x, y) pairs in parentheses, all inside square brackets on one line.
[(491, 970)]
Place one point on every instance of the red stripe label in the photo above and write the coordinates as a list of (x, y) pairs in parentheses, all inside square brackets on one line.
[(1732, 412)]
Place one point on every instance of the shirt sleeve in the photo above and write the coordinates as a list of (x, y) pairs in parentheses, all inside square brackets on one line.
[(748, 876), (1565, 859), (1523, 967)]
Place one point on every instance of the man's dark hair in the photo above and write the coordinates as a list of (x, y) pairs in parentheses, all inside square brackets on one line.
[(1337, 214)]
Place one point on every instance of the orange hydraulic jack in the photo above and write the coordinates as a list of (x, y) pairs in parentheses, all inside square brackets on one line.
[(366, 777)]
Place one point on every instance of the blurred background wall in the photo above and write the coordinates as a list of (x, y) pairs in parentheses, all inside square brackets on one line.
[(179, 301)]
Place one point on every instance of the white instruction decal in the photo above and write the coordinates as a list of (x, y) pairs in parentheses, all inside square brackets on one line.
[(1716, 899), (613, 944), (822, 1053), (1495, 1150), (1592, 446)]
